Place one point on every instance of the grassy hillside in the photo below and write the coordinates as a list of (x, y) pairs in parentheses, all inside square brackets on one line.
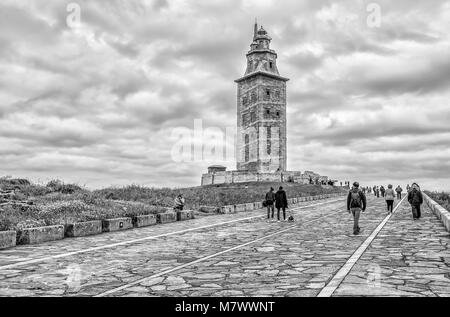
[(24, 204), (214, 195)]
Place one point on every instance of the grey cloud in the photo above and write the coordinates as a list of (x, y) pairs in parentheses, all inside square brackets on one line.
[(87, 79)]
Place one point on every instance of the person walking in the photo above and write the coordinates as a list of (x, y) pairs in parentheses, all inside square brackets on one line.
[(408, 188), (378, 192), (356, 202), (382, 190), (374, 190), (415, 199), (390, 197), (399, 191), (281, 202), (270, 202)]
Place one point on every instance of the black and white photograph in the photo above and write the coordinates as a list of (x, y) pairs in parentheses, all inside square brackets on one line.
[(241, 151)]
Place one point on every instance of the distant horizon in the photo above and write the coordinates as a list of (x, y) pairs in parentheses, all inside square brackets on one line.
[(148, 185)]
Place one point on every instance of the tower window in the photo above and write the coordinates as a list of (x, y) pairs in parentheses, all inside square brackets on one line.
[(278, 113), (271, 65), (247, 148), (277, 95), (245, 119)]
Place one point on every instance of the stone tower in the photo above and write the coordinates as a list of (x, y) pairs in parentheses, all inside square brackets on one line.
[(261, 110)]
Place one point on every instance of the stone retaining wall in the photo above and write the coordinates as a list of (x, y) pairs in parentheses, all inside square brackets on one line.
[(440, 212)]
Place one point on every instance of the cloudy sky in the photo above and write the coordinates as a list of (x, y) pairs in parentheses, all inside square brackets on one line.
[(97, 102)]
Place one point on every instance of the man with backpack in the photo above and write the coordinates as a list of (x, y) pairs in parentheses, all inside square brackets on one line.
[(356, 202), (382, 190), (415, 199), (270, 202)]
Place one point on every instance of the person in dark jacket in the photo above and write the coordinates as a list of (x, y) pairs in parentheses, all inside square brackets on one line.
[(179, 203), (382, 190), (356, 202), (390, 197), (270, 202), (281, 202), (399, 191), (415, 199)]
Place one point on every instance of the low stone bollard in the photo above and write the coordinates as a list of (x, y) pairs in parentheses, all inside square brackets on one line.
[(249, 207), (209, 209), (40, 235), (83, 229), (117, 224), (239, 208), (7, 239), (185, 215), (144, 221), (166, 217), (227, 210)]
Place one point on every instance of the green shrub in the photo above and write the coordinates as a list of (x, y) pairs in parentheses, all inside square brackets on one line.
[(14, 217), (35, 190), (58, 186)]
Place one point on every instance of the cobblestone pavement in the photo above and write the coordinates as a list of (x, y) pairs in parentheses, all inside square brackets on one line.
[(408, 258), (239, 255)]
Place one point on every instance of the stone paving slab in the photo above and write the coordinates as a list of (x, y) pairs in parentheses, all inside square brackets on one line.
[(296, 263), (24, 253), (90, 273), (408, 258), (411, 258)]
